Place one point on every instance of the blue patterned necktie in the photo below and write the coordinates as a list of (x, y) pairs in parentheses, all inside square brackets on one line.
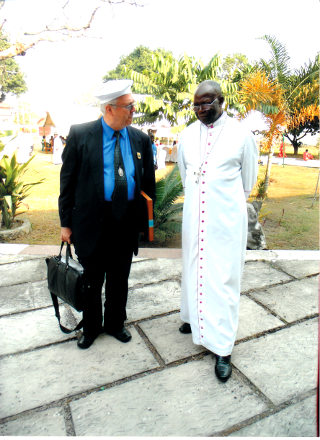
[(120, 193)]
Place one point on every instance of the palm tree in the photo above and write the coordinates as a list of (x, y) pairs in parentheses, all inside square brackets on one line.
[(169, 87), (258, 92), (270, 88), (300, 92)]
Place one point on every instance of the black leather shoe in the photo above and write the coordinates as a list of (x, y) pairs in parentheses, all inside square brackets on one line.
[(85, 341), (122, 335), (185, 328), (223, 367)]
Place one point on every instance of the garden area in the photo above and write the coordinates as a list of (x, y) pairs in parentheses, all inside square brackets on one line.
[(285, 99), (289, 216)]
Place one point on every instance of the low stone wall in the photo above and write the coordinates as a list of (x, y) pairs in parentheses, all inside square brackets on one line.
[(22, 229)]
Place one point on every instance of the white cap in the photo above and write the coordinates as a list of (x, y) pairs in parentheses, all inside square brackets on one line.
[(113, 89)]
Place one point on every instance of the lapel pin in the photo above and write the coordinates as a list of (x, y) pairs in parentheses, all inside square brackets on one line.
[(138, 155)]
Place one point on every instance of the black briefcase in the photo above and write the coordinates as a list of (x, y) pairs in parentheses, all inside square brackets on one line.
[(66, 281)]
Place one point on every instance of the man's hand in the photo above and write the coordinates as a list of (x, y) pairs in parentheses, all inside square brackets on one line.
[(66, 235)]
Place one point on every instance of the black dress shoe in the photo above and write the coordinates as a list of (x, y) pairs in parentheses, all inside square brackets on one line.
[(223, 367), (122, 335), (185, 328), (85, 341)]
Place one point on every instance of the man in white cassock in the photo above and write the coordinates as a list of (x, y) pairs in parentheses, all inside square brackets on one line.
[(218, 160)]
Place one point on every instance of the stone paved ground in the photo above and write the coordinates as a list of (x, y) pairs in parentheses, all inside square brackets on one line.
[(160, 384)]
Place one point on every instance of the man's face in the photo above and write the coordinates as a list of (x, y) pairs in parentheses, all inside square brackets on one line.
[(214, 111), (122, 116)]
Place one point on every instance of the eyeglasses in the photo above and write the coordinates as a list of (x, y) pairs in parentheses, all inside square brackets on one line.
[(129, 107), (205, 106)]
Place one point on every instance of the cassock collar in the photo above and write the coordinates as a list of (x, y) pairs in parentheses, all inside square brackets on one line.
[(219, 121)]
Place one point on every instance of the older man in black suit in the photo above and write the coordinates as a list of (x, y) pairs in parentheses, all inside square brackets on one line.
[(106, 164)]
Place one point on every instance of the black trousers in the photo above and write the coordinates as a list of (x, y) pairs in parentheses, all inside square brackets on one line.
[(110, 262)]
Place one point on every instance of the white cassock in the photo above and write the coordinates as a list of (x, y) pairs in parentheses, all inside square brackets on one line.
[(214, 229)]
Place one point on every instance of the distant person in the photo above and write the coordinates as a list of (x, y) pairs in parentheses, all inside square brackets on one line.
[(307, 155), (162, 153), (154, 149), (282, 152), (217, 159), (51, 141), (57, 149), (174, 151), (43, 143)]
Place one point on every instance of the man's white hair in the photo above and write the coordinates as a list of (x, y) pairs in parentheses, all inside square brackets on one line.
[(103, 106)]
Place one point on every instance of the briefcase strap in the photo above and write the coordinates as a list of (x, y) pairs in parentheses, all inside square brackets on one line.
[(68, 252), (57, 312)]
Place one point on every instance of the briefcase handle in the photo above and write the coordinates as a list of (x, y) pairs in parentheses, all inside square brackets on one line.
[(68, 252)]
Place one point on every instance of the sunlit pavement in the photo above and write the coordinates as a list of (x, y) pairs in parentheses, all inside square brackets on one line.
[(160, 383), (292, 161)]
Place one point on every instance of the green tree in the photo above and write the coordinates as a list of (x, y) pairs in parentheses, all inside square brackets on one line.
[(233, 64), (139, 60), (170, 84), (271, 88), (11, 78), (300, 91)]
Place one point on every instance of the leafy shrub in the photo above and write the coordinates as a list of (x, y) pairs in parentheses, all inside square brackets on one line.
[(167, 213), (12, 190)]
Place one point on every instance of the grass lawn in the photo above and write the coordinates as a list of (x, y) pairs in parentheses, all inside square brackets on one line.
[(288, 220), (290, 215)]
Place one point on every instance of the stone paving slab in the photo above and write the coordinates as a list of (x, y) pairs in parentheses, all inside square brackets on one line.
[(42, 423), (62, 370), (175, 400), (170, 343), (292, 301), (254, 319), (283, 364), (6, 259), (23, 272), (181, 401), (8, 248), (25, 296), (259, 274), (154, 271), (289, 254), (298, 420), (25, 331), (153, 300), (299, 268)]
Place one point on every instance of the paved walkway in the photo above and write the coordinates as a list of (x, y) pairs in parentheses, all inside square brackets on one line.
[(160, 383), (315, 163)]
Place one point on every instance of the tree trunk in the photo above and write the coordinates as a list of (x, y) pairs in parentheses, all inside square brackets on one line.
[(268, 170), (295, 147), (294, 142)]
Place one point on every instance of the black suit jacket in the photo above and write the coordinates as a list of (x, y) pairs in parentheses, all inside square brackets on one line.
[(81, 200)]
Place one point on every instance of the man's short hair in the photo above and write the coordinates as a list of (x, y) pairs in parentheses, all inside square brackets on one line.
[(209, 83), (103, 106)]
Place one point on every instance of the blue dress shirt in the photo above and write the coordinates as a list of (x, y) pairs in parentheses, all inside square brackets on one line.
[(109, 142)]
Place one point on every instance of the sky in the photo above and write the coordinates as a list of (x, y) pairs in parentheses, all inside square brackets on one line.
[(60, 74)]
